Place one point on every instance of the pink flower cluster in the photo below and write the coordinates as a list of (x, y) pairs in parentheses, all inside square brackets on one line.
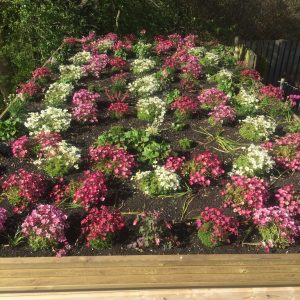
[(286, 151), (20, 147), (3, 218), (294, 99), (84, 107), (87, 191), (29, 88), (288, 226), (98, 224), (96, 65), (289, 199), (185, 105), (202, 168), (211, 98), (253, 74), (271, 91), (47, 139), (162, 45), (119, 77), (30, 188), (117, 63), (41, 72), (174, 163), (118, 109), (222, 226), (245, 195), (112, 160), (47, 222), (125, 44), (192, 67), (92, 189), (222, 113)]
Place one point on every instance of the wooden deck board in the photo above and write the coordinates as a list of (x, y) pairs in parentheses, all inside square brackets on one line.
[(147, 272)]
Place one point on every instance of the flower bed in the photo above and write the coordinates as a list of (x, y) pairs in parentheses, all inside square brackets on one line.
[(132, 145)]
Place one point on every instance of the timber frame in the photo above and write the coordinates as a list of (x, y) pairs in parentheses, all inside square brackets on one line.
[(99, 273)]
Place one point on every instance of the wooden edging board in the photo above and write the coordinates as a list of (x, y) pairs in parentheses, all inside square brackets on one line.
[(100, 273)]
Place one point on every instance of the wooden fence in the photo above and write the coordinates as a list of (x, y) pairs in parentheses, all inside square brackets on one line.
[(274, 59)]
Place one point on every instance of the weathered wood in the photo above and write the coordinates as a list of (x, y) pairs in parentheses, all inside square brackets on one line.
[(142, 272), (282, 293)]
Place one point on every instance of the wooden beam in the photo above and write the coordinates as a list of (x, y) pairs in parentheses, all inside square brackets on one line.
[(147, 271)]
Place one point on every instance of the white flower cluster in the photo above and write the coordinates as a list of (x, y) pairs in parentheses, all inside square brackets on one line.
[(49, 120), (255, 162), (105, 45), (152, 109), (65, 153), (57, 93), (246, 99), (70, 73), (142, 65), (166, 181), (261, 126), (225, 73), (212, 59), (81, 58), (144, 86)]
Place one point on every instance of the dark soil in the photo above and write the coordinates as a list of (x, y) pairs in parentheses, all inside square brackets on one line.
[(124, 196)]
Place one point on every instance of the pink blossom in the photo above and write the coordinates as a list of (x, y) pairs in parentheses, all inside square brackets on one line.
[(29, 88), (41, 72), (96, 65), (271, 91), (211, 98), (20, 147), (112, 160), (221, 114), (253, 74), (174, 163), (185, 104), (221, 226), (99, 223), (289, 199), (3, 218)]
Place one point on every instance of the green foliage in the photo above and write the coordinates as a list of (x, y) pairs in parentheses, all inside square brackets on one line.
[(16, 239), (272, 233), (248, 132), (172, 96), (293, 126), (205, 236), (141, 49), (40, 243), (185, 144), (100, 244), (56, 167), (9, 128), (149, 149), (13, 196), (274, 108)]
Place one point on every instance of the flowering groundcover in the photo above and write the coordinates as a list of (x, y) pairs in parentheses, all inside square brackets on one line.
[(136, 145)]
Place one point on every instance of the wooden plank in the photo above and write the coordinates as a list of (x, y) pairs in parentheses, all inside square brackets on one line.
[(140, 272), (282, 293)]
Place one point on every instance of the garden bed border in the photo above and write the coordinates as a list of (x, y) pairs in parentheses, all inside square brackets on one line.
[(99, 273)]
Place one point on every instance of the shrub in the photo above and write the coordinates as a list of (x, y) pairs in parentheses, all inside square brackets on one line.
[(257, 128), (23, 188), (81, 58), (49, 120), (100, 225), (112, 161), (254, 162), (246, 103), (214, 228), (45, 228), (9, 128), (245, 195), (185, 144)]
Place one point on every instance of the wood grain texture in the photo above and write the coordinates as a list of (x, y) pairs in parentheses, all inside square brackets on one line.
[(278, 293), (145, 272)]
